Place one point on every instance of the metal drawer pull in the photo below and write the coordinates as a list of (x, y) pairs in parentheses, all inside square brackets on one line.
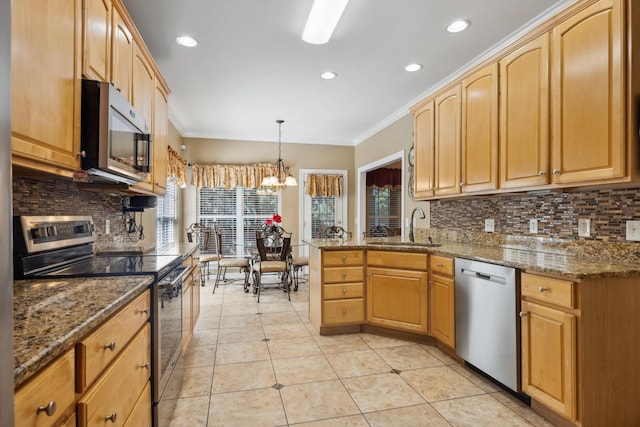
[(112, 417), (344, 291), (542, 289), (523, 313), (146, 365), (145, 311), (344, 311), (50, 409), (344, 258), (344, 275), (111, 346), (439, 265), (556, 171), (541, 173)]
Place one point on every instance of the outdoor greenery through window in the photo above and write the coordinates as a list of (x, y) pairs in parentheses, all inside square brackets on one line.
[(384, 210), (323, 214), (167, 216), (238, 213)]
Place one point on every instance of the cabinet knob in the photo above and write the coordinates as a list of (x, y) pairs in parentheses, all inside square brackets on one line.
[(111, 346), (523, 313), (112, 417), (145, 311), (82, 154), (556, 171), (461, 184), (146, 365), (344, 311), (541, 173), (439, 265), (344, 291), (542, 289), (344, 275), (344, 258), (49, 409)]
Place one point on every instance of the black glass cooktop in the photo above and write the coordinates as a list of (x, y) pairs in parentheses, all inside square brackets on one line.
[(155, 265)]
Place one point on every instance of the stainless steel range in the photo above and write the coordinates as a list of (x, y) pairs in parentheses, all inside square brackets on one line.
[(62, 246)]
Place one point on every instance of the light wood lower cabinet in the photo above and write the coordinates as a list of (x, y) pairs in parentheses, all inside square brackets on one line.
[(397, 296), (442, 295), (48, 398), (115, 394), (140, 415)]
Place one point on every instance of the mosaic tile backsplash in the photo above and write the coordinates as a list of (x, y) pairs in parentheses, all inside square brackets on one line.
[(62, 197)]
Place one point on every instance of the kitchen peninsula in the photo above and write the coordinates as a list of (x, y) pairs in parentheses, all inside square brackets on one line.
[(577, 316)]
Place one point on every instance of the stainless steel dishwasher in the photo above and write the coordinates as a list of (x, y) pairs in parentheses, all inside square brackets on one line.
[(486, 319)]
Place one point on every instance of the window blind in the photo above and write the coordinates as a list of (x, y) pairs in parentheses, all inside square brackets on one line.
[(167, 216), (323, 214), (384, 207)]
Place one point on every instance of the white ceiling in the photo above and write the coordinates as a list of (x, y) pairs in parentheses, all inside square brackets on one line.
[(251, 66)]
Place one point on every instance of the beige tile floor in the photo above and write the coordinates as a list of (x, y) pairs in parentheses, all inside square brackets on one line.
[(251, 364)]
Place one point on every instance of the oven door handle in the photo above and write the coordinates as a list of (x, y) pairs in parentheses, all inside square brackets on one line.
[(175, 277)]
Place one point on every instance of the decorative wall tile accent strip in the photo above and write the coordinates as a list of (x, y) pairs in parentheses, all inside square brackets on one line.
[(60, 197)]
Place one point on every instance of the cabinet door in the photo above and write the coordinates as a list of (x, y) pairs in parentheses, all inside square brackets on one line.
[(549, 357), (45, 86), (195, 297), (447, 142), (524, 115), (187, 293), (443, 309), (397, 299), (423, 139), (143, 85), (587, 87), (480, 130), (96, 37), (160, 142), (121, 55)]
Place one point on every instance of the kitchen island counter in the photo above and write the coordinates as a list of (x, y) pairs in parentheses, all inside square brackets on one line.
[(51, 315), (571, 265)]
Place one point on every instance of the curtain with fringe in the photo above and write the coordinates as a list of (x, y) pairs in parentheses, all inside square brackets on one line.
[(231, 176), (323, 185), (176, 167)]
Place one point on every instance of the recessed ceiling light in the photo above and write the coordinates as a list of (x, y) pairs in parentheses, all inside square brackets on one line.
[(413, 67), (322, 20), (457, 26), (187, 41), (328, 75)]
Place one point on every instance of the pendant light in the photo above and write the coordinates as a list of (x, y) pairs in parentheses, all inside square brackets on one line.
[(281, 179)]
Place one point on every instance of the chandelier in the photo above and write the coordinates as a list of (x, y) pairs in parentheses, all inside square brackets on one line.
[(281, 179)]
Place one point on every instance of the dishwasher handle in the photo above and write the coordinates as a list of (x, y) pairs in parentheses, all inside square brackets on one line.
[(483, 276)]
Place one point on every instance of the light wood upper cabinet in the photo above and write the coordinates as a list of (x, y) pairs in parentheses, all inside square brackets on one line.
[(480, 130), (45, 101), (524, 115), (96, 39), (160, 141), (587, 92), (423, 143), (121, 55), (143, 85), (447, 142)]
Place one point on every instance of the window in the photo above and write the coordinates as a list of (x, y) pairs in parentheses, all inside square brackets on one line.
[(238, 213), (323, 214), (384, 210), (167, 214)]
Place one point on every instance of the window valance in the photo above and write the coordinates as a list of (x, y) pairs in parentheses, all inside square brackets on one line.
[(231, 176), (323, 185), (176, 167), (384, 177)]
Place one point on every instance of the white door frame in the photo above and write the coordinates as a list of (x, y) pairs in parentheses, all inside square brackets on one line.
[(361, 189), (345, 198)]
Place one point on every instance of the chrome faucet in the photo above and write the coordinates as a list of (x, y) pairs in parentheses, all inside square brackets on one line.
[(422, 216)]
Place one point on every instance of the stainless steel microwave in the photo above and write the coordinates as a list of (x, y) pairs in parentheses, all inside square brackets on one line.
[(115, 138)]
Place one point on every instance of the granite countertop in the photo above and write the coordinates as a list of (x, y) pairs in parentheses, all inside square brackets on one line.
[(51, 315), (570, 265)]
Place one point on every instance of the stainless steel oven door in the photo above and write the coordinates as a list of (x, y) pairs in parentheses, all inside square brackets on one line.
[(167, 330)]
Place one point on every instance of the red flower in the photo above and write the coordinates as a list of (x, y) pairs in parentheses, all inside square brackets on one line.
[(268, 222), (277, 218)]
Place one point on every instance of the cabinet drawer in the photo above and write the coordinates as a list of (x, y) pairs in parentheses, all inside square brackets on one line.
[(404, 260), (441, 265), (345, 290), (118, 390), (141, 413), (342, 312), (332, 258), (555, 291), (343, 274), (186, 262), (53, 384), (96, 351)]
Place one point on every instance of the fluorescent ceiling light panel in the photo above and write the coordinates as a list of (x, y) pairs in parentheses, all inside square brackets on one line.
[(322, 20)]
